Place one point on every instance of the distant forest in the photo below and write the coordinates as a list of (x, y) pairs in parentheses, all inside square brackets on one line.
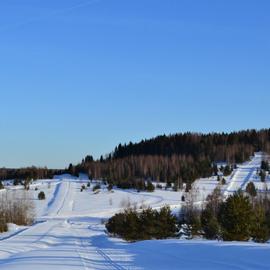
[(179, 158), (28, 173)]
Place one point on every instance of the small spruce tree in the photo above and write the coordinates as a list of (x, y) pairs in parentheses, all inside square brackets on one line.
[(265, 165), (41, 195), (150, 187), (262, 175), (227, 170), (236, 218), (260, 230), (251, 190), (210, 224)]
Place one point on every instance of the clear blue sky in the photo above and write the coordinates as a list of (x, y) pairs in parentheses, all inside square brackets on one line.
[(78, 77)]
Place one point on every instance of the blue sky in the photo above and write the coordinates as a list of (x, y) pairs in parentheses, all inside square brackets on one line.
[(79, 77)]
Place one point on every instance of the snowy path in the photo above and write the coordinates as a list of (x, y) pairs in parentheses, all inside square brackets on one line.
[(59, 241)]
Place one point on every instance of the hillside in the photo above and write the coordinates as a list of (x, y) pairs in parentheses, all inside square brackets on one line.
[(179, 158)]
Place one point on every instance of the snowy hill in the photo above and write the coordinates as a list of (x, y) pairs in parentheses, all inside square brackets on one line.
[(69, 233)]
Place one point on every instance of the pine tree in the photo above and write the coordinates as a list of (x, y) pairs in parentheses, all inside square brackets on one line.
[(236, 218), (166, 223), (251, 190), (227, 170), (210, 224), (265, 165), (41, 195), (148, 225), (150, 187), (209, 216), (223, 181), (260, 230), (262, 175)]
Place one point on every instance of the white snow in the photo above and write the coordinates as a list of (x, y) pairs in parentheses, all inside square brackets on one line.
[(69, 233), (245, 173)]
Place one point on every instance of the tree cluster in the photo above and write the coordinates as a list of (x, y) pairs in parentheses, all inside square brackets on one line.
[(148, 224), (236, 219)]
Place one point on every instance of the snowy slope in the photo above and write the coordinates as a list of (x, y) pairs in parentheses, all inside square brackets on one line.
[(246, 173), (69, 234)]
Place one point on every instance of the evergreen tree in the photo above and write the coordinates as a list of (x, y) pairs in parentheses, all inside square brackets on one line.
[(166, 223), (210, 224), (148, 224), (209, 216), (260, 230), (150, 187), (215, 169), (41, 195), (191, 220), (262, 175), (71, 169), (223, 181), (251, 190), (16, 182), (236, 218), (110, 187), (265, 165), (227, 170)]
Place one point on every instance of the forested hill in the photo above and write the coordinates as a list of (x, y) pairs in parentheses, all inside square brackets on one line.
[(233, 147), (179, 158)]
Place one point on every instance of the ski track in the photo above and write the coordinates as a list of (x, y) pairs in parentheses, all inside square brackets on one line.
[(242, 175), (41, 236)]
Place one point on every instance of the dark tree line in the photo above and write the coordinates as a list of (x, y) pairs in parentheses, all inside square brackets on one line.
[(179, 158), (217, 146), (28, 173), (131, 171)]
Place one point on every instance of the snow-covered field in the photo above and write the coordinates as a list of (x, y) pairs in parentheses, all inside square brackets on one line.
[(69, 234)]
